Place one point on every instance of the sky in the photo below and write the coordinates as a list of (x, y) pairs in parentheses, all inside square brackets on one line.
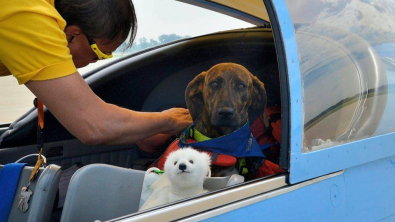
[(157, 17)]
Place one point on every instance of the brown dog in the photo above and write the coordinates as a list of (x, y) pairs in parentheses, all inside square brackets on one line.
[(221, 101), (223, 98)]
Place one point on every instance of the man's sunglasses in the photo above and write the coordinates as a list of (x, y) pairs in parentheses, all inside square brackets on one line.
[(100, 54)]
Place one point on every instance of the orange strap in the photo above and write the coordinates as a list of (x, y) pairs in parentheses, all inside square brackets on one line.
[(40, 143), (40, 110)]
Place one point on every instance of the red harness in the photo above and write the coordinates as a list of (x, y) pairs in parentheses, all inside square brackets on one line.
[(259, 131)]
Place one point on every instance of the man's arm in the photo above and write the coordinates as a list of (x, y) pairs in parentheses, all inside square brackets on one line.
[(93, 121)]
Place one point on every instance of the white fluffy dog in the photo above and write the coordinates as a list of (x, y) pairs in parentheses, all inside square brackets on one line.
[(185, 172)]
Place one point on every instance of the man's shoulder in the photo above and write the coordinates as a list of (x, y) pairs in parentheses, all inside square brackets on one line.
[(46, 8)]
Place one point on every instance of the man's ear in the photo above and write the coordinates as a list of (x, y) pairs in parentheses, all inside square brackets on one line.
[(73, 32), (258, 99), (194, 96)]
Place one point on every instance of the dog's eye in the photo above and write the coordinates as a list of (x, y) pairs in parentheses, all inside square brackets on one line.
[(175, 163), (241, 86), (191, 161), (214, 84)]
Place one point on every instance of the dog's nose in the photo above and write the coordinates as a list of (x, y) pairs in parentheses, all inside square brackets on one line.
[(182, 166), (226, 113)]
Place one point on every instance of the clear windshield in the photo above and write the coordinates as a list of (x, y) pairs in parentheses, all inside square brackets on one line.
[(346, 53)]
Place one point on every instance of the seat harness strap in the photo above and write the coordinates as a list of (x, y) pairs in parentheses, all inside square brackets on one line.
[(9, 178)]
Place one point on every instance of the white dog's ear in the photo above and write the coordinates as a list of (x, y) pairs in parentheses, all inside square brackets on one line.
[(207, 159), (207, 162)]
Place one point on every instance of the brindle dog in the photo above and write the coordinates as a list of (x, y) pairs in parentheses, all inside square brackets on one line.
[(222, 99)]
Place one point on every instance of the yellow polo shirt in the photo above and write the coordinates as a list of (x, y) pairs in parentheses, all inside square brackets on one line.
[(33, 45)]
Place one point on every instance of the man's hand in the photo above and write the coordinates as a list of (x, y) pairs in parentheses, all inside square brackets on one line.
[(158, 143), (181, 119)]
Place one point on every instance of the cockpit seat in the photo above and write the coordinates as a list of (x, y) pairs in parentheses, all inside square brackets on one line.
[(44, 189), (103, 192)]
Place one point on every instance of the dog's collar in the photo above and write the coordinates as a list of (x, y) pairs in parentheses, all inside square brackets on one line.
[(198, 136)]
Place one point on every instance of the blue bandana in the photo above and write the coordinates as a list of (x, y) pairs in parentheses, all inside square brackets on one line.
[(240, 143)]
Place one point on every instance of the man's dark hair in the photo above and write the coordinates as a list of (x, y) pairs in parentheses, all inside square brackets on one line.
[(103, 19)]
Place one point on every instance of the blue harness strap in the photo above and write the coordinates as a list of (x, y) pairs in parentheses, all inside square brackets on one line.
[(9, 177)]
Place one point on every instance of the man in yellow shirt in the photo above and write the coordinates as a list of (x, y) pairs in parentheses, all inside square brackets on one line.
[(42, 42)]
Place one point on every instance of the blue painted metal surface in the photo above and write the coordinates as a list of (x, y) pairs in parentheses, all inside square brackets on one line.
[(362, 193), (310, 203), (370, 191), (310, 165)]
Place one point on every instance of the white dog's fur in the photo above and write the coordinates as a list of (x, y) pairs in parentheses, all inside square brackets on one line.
[(186, 170)]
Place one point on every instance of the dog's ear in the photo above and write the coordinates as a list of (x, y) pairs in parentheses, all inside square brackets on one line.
[(207, 158), (258, 99), (194, 96), (207, 162)]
